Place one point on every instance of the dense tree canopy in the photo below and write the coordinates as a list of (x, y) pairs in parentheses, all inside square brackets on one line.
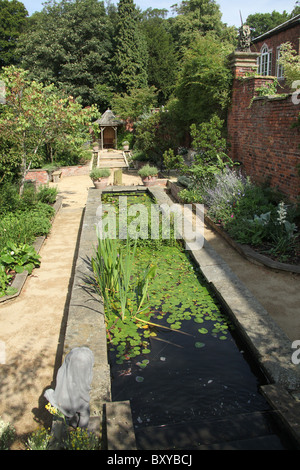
[(162, 59), (118, 56), (69, 44), (263, 22), (203, 86), (12, 20)]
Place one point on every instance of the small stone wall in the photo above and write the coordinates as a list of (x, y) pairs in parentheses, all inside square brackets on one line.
[(41, 176)]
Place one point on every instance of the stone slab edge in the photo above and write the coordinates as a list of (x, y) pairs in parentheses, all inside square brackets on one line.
[(120, 430), (86, 321), (20, 278)]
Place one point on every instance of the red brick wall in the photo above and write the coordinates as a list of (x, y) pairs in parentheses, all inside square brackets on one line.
[(261, 136), (42, 177), (39, 176)]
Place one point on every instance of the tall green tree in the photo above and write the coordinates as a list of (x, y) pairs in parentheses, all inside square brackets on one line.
[(12, 20), (138, 101), (162, 57), (196, 17), (69, 44), (130, 59), (35, 115), (263, 22), (204, 83)]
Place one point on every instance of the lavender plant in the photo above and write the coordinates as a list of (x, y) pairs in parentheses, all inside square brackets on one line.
[(229, 186)]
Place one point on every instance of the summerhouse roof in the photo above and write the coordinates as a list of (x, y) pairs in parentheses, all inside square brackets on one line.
[(108, 119)]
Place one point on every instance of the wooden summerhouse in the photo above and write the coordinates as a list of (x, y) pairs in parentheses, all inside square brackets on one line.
[(108, 124)]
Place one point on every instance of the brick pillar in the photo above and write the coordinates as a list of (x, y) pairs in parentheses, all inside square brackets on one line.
[(243, 63)]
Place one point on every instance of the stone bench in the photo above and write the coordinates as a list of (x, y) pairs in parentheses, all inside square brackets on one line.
[(56, 175)]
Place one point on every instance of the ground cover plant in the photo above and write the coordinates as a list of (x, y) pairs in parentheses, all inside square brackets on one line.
[(23, 218)]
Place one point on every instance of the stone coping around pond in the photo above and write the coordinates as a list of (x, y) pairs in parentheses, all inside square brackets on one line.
[(20, 278), (244, 250), (268, 344)]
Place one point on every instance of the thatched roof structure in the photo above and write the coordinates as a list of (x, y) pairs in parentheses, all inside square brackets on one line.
[(108, 124), (108, 119)]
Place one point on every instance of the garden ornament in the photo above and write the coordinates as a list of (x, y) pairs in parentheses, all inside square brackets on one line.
[(244, 37), (71, 395)]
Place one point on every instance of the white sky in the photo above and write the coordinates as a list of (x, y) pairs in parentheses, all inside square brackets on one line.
[(229, 8)]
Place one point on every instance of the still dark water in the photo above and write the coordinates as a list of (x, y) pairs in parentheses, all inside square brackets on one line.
[(184, 383), (186, 378)]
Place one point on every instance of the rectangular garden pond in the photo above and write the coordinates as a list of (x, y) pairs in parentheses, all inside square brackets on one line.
[(190, 384), (189, 379)]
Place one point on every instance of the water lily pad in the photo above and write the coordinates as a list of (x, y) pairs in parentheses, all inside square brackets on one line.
[(198, 320), (198, 344), (203, 331), (139, 378)]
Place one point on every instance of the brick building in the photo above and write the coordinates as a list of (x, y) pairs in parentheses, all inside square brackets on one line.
[(268, 45), (261, 129)]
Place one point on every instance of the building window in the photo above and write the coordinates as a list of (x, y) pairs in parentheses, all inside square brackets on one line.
[(279, 67), (264, 62)]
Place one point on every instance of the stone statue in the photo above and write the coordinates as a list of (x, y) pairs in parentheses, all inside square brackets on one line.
[(71, 395), (244, 38)]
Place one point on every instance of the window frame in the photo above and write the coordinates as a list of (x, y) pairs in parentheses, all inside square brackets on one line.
[(264, 61), (279, 67)]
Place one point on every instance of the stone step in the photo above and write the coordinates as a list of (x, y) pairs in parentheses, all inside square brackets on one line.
[(242, 431), (112, 165), (269, 442), (113, 157)]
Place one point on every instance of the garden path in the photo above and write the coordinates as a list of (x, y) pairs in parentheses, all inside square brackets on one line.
[(32, 326)]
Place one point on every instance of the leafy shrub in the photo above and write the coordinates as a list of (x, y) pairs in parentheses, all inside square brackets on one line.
[(185, 181), (19, 258), (190, 196), (47, 195), (5, 287), (7, 435), (98, 173), (11, 201), (148, 170), (9, 198), (23, 227)]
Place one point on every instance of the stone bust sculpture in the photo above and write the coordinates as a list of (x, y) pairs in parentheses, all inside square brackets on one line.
[(71, 395)]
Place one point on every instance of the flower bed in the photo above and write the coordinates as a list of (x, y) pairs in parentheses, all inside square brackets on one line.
[(25, 222), (255, 219)]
